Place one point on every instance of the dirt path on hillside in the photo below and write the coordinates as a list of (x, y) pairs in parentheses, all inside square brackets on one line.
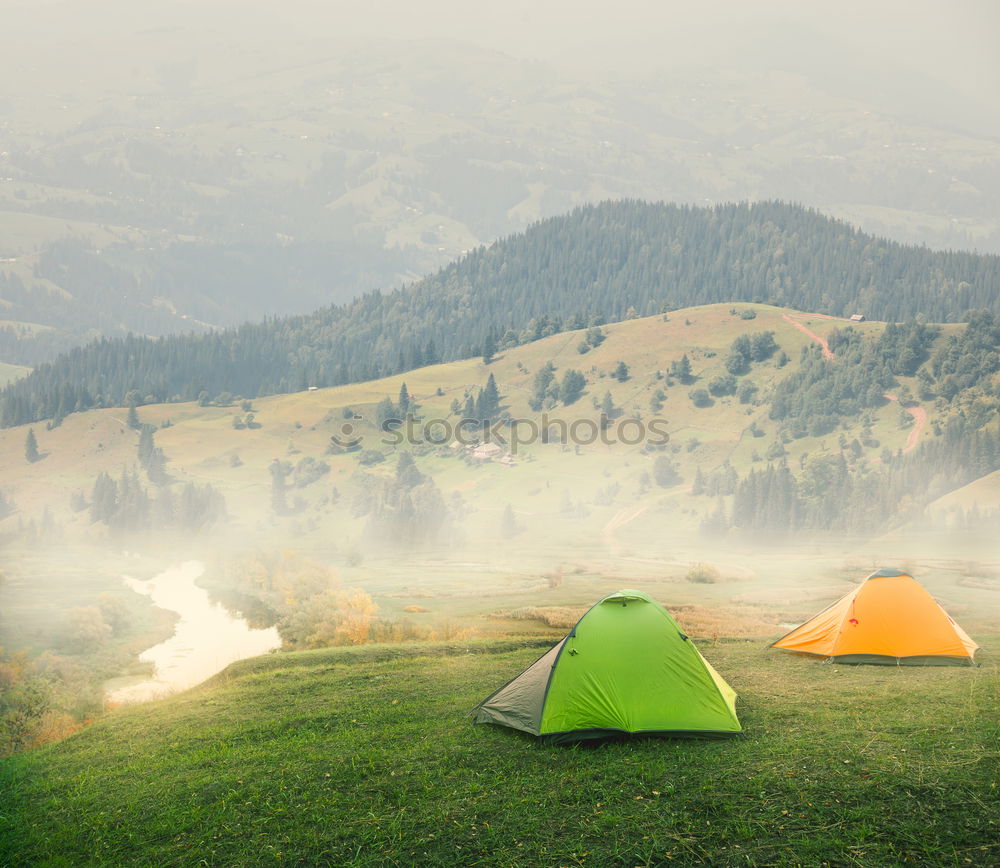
[(827, 354), (620, 519), (919, 415)]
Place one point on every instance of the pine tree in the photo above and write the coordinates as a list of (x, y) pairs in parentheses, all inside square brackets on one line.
[(407, 474), (151, 457), (404, 403), (384, 412), (608, 411), (488, 401), (279, 488), (572, 386), (489, 348), (698, 486), (681, 369), (31, 447), (146, 446)]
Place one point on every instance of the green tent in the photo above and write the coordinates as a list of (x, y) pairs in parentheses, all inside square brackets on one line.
[(625, 667)]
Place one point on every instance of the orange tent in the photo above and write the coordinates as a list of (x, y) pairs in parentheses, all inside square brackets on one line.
[(890, 619)]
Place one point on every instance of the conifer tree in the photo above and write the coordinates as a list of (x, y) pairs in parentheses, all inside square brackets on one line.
[(489, 348), (279, 470), (407, 474), (572, 386), (488, 401), (31, 447), (384, 412), (681, 369), (698, 486), (151, 457), (607, 410)]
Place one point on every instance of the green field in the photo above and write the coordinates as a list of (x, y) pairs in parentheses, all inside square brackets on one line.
[(588, 521), (9, 373), (201, 444), (364, 757)]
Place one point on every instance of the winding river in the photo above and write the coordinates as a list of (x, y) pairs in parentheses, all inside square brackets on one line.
[(207, 638)]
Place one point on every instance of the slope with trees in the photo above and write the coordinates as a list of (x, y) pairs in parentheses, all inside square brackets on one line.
[(565, 273)]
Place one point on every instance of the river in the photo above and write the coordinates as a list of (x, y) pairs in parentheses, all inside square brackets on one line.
[(207, 637)]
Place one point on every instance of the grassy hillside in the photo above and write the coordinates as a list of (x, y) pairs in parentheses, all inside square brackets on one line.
[(9, 373), (983, 493), (593, 499), (201, 444), (364, 757), (584, 521), (607, 262)]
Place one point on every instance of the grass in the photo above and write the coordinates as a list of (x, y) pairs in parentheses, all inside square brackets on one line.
[(983, 493), (9, 373), (363, 757), (600, 480)]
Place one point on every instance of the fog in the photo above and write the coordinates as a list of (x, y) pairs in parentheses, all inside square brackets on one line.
[(244, 101), (920, 59), (400, 136)]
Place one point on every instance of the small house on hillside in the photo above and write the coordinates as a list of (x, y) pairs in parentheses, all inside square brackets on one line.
[(858, 317), (486, 452)]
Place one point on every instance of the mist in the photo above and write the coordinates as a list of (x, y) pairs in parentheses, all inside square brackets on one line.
[(917, 60), (181, 167)]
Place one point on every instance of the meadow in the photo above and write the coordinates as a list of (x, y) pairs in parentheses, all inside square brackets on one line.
[(9, 373), (201, 444), (364, 756)]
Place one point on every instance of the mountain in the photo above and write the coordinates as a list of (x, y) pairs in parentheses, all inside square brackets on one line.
[(185, 181), (601, 262)]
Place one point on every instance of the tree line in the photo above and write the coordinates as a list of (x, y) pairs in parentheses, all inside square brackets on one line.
[(599, 263), (831, 495)]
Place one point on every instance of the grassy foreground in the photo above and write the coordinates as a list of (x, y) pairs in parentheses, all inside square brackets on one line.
[(363, 757)]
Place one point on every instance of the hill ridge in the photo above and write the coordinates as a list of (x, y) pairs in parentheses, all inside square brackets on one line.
[(608, 261)]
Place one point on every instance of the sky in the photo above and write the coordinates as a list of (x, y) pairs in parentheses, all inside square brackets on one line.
[(922, 54)]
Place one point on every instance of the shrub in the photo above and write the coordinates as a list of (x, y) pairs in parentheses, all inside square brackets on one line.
[(701, 398), (721, 386), (702, 574)]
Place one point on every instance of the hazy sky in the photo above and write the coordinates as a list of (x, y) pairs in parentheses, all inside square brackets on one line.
[(920, 44)]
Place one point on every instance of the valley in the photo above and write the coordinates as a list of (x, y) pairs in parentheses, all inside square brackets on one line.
[(425, 537), (430, 433)]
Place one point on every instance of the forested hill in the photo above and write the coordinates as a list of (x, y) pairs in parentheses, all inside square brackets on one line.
[(600, 262)]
